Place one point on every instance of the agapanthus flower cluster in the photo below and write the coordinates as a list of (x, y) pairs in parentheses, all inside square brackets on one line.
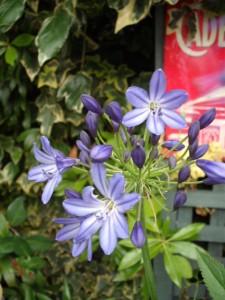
[(134, 168)]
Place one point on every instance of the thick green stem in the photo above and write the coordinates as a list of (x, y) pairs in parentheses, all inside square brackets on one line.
[(149, 276)]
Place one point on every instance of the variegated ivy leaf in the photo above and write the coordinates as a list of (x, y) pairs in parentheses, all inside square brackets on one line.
[(72, 88), (51, 37), (30, 63), (172, 2), (131, 14), (10, 12), (50, 112), (48, 76)]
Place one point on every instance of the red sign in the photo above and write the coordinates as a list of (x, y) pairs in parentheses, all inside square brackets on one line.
[(198, 66)]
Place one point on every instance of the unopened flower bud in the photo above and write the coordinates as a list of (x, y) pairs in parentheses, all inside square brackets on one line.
[(193, 148), (172, 162), (126, 155), (115, 126), (207, 118), (133, 139), (101, 153), (92, 123), (154, 152), (179, 200), (138, 237), (84, 157), (154, 139), (172, 143), (91, 104), (193, 132), (82, 146), (138, 155), (123, 137), (184, 173), (201, 151), (114, 111), (84, 137)]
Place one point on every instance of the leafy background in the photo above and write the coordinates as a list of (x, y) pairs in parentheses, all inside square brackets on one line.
[(50, 53)]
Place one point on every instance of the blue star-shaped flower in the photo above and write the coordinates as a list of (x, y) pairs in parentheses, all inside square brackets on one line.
[(156, 107)]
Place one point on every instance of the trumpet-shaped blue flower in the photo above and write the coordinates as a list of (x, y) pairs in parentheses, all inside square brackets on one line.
[(69, 232), (106, 215), (53, 164), (156, 107)]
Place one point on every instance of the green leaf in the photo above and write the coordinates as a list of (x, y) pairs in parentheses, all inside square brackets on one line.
[(7, 270), (50, 39), (72, 88), (130, 259), (7, 245), (23, 40), (66, 290), (10, 12), (128, 273), (213, 273), (35, 263), (187, 232), (15, 154), (48, 76), (22, 248), (30, 63), (186, 249), (8, 174), (39, 242), (11, 55), (50, 112), (16, 213), (4, 226)]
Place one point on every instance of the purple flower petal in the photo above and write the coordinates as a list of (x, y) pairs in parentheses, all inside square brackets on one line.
[(46, 145), (82, 146), (50, 187), (135, 117), (116, 186), (92, 123), (64, 163), (91, 104), (72, 194), (79, 247), (39, 173), (43, 157), (173, 119), (114, 111), (88, 227), (172, 143), (98, 175), (89, 197), (108, 237), (200, 151), (155, 124), (157, 85), (173, 99), (82, 208), (68, 232), (212, 168), (127, 201), (137, 97), (120, 225), (67, 221), (85, 139)]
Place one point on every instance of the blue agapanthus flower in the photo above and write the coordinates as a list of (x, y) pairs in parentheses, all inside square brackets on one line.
[(215, 171), (107, 214), (53, 164), (157, 107)]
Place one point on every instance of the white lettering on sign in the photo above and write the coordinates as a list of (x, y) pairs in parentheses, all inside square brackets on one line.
[(211, 32)]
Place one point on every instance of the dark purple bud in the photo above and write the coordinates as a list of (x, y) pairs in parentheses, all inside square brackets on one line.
[(126, 155), (114, 111), (214, 180), (85, 139), (172, 143), (84, 157), (207, 118), (91, 104), (82, 146), (138, 155), (193, 148), (115, 126), (101, 153), (213, 169), (184, 173), (154, 153), (193, 132), (133, 139), (92, 123), (201, 150), (172, 162), (154, 139), (72, 194), (130, 129), (138, 237), (179, 200), (65, 163), (123, 137)]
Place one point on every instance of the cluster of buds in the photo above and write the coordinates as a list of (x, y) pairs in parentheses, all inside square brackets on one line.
[(127, 169)]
